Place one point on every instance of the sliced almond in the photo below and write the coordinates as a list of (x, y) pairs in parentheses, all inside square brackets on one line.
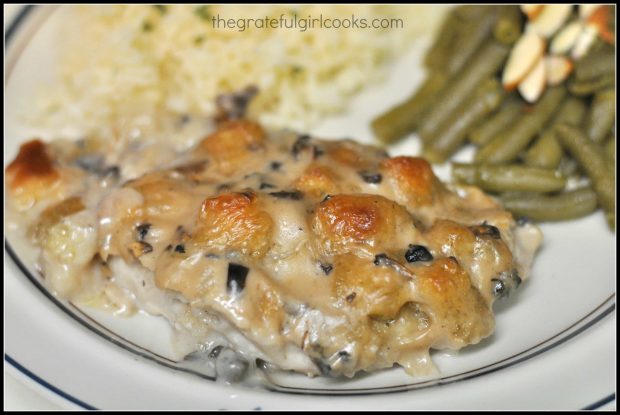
[(524, 55), (585, 10), (557, 69), (551, 19), (566, 38), (600, 19), (584, 41), (532, 86), (532, 10)]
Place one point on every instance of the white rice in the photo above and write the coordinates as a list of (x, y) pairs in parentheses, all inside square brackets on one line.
[(118, 79)]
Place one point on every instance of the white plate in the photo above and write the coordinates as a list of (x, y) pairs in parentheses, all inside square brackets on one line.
[(554, 346)]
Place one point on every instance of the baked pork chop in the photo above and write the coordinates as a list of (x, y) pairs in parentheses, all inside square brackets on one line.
[(321, 257)]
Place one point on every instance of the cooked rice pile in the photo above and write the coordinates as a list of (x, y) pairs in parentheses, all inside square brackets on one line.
[(123, 67)]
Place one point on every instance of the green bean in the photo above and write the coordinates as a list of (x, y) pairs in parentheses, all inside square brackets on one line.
[(471, 36), (591, 86), (465, 173), (508, 27), (458, 40), (599, 45), (546, 151), (568, 167), (507, 146), (510, 177), (595, 64), (568, 205), (602, 115), (452, 133), (403, 118), (609, 151), (611, 220), (610, 148), (440, 49), (483, 65), (504, 117), (592, 162), (513, 194)]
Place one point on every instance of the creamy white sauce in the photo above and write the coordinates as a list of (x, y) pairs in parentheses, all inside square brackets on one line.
[(295, 310)]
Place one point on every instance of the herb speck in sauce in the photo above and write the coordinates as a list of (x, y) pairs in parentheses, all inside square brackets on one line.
[(499, 288), (199, 40), (417, 253), (147, 27), (485, 230), (215, 352), (382, 259), (327, 268), (237, 275), (143, 230), (300, 144), (370, 177), (202, 12), (288, 194), (317, 152)]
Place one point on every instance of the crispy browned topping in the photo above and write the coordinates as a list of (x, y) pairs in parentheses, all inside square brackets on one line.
[(32, 163)]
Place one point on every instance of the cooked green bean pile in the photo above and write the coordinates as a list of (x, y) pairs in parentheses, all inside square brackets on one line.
[(532, 156)]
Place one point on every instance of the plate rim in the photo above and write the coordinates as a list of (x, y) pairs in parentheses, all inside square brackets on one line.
[(38, 380), (12, 28)]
